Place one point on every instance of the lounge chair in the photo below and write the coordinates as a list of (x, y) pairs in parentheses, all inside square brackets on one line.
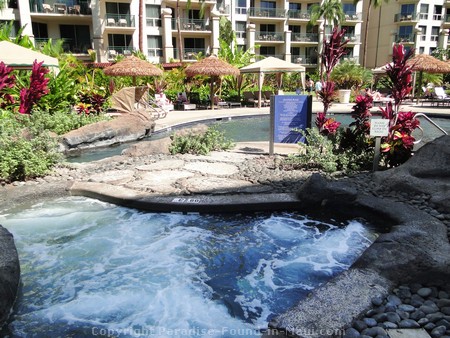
[(441, 95), (249, 99), (135, 99)]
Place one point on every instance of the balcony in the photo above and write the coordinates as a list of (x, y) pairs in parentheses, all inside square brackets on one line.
[(301, 15), (119, 20), (190, 53), (61, 8), (305, 37), (352, 38), (273, 13), (191, 25), (402, 17), (269, 36), (114, 51), (353, 16), (405, 38), (278, 56), (304, 60)]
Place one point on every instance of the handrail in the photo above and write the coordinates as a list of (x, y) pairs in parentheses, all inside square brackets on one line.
[(431, 121)]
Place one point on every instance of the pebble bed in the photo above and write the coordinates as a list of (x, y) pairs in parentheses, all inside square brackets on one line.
[(410, 306)]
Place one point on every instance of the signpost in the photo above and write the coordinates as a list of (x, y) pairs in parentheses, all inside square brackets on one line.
[(289, 112), (378, 128)]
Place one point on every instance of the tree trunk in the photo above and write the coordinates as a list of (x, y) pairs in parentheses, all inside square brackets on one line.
[(179, 39), (141, 26), (366, 34)]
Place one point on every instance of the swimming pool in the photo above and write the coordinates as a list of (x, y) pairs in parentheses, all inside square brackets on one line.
[(94, 269)]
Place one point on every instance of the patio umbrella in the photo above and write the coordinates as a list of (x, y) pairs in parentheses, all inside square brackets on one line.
[(429, 64), (133, 66), (214, 67)]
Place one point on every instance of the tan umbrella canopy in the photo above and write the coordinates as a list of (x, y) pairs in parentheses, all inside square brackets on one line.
[(133, 66), (429, 64), (214, 67)]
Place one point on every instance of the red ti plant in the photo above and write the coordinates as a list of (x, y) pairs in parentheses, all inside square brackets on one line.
[(38, 88), (326, 125), (7, 81), (361, 114), (332, 51)]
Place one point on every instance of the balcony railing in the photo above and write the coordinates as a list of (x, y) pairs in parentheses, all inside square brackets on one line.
[(408, 38), (191, 25), (305, 37), (62, 7), (303, 59), (190, 53), (269, 36), (114, 51), (447, 18), (353, 16), (278, 56), (267, 12), (352, 38), (119, 20), (399, 17), (296, 14)]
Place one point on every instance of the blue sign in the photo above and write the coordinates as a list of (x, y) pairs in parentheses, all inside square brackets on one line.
[(289, 112)]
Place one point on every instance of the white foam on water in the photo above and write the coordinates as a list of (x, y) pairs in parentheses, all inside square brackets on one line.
[(88, 265)]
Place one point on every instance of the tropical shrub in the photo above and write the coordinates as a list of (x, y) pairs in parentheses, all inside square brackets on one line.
[(200, 143), (349, 75)]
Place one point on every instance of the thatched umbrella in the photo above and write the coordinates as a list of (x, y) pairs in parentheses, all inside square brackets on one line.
[(133, 66), (214, 67), (429, 64)]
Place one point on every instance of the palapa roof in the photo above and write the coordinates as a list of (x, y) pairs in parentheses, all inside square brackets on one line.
[(212, 66), (429, 64), (133, 66)]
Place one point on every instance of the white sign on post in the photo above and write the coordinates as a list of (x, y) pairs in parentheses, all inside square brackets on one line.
[(379, 127)]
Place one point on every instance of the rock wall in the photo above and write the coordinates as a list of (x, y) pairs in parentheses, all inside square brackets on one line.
[(9, 274), (125, 128)]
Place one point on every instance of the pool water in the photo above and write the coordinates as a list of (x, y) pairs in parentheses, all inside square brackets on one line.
[(256, 129), (94, 269)]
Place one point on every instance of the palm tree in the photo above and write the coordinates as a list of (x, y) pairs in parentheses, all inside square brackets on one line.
[(331, 11), (374, 4)]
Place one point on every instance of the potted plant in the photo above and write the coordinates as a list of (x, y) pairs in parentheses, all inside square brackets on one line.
[(349, 76)]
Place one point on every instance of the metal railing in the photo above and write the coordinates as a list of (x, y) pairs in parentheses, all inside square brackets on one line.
[(305, 37), (62, 7), (408, 38), (114, 51), (269, 36), (304, 60), (399, 17), (434, 124), (353, 16), (297, 14), (190, 53), (352, 38), (278, 56), (447, 18), (267, 12), (119, 20), (191, 25)]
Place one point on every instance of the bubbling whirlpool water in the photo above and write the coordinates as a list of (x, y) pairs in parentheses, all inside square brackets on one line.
[(93, 269)]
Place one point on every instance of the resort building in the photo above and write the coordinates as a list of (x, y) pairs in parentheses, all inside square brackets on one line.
[(272, 28), (420, 24)]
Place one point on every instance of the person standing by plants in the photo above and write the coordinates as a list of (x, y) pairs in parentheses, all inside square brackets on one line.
[(318, 88)]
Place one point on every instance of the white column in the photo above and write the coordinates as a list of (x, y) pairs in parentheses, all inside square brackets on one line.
[(24, 16), (98, 27), (215, 18), (166, 15), (443, 39), (251, 32), (287, 46)]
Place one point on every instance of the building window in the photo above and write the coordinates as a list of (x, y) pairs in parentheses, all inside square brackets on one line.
[(268, 4), (40, 32), (193, 46), (120, 44), (77, 38), (423, 33), (434, 34), (437, 15), (154, 46), (241, 7), (407, 9), (117, 8), (424, 11), (153, 16), (405, 33), (421, 50), (240, 29), (14, 29), (349, 8), (267, 28), (267, 50), (294, 6)]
